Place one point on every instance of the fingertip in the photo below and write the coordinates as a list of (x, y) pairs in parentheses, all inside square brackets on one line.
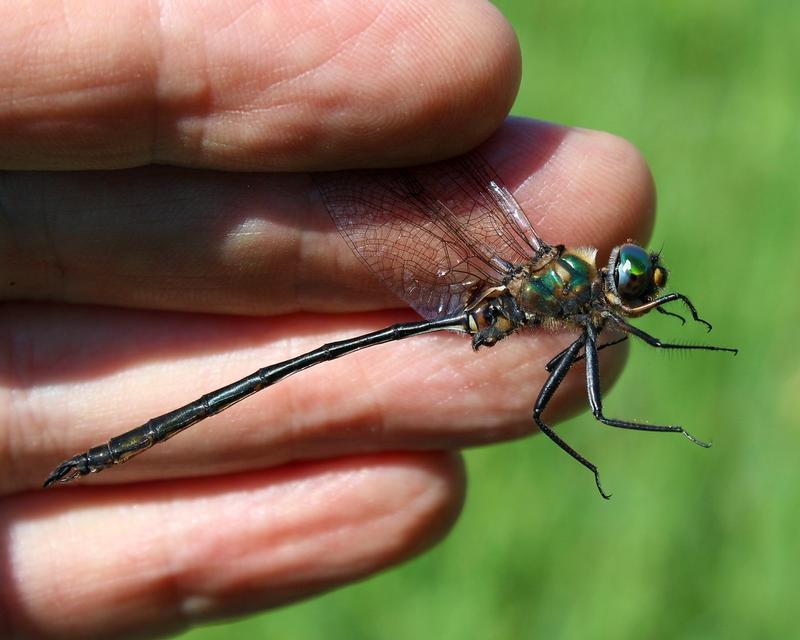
[(623, 177), (432, 81), (255, 86), (577, 186), (100, 561), (447, 481)]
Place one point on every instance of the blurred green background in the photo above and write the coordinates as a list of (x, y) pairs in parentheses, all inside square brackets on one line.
[(695, 543)]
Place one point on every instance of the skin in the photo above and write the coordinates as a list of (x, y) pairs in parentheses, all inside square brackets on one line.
[(334, 474)]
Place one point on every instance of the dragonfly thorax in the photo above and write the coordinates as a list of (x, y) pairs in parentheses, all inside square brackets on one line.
[(536, 295), (560, 289)]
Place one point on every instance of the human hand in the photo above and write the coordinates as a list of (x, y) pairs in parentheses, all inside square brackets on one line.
[(295, 490)]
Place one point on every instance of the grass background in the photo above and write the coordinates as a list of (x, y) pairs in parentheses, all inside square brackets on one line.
[(694, 544)]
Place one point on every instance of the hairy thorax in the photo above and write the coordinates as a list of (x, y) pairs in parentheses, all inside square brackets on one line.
[(559, 290)]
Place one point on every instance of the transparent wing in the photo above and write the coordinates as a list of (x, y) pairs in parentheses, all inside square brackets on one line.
[(434, 234)]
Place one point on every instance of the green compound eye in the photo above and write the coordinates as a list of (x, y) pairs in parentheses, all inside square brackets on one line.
[(633, 274)]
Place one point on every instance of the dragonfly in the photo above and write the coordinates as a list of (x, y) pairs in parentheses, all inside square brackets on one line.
[(452, 242)]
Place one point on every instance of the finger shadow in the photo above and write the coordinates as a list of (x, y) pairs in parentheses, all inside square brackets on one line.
[(48, 343), (180, 239)]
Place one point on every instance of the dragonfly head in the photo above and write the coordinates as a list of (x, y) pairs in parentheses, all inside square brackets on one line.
[(635, 276)]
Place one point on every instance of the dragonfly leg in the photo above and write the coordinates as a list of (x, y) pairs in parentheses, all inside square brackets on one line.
[(554, 361), (658, 302), (596, 400), (555, 379), (692, 310), (657, 343), (664, 312)]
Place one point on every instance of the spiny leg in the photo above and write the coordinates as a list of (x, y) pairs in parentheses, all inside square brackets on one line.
[(552, 383), (596, 400), (657, 343)]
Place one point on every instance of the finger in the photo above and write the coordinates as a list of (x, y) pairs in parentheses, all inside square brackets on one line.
[(276, 85), (264, 244), (85, 563), (76, 376)]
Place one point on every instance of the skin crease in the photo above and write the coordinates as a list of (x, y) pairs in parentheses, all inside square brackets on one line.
[(127, 293)]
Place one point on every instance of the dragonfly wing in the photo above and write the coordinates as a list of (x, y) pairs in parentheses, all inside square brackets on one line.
[(486, 213), (436, 235)]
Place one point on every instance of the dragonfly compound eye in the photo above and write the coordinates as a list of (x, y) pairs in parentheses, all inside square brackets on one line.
[(633, 273)]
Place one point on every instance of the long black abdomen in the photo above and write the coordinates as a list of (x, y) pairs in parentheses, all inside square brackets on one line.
[(126, 445)]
